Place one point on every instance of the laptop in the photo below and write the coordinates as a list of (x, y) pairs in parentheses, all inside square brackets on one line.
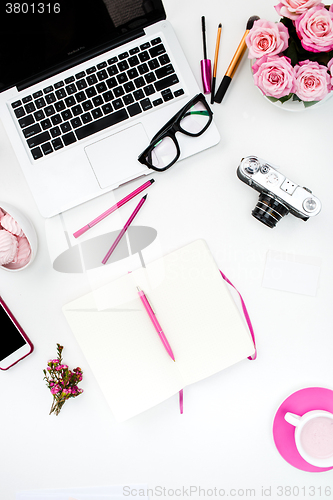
[(84, 86)]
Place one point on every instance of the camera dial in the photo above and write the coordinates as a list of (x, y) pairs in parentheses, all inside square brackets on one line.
[(264, 169), (272, 178), (251, 165), (309, 204)]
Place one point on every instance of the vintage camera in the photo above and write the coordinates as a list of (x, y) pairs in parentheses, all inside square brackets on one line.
[(278, 195)]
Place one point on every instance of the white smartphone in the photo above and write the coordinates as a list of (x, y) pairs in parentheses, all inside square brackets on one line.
[(14, 344)]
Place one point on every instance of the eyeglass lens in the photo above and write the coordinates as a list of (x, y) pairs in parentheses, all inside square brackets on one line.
[(163, 153), (165, 150), (196, 119)]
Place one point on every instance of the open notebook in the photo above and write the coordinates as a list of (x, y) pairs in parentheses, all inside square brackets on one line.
[(196, 311)]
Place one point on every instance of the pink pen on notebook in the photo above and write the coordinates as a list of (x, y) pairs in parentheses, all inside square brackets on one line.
[(113, 208), (124, 229), (156, 324)]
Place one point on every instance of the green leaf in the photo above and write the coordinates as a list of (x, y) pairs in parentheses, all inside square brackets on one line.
[(285, 98), (287, 22), (307, 104), (273, 99), (281, 99), (292, 52)]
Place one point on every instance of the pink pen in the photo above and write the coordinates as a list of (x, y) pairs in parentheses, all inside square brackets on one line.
[(156, 324), (124, 229), (113, 208)]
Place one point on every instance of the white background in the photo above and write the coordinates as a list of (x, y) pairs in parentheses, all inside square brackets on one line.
[(224, 438)]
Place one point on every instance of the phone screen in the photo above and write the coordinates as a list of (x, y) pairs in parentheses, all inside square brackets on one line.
[(12, 339)]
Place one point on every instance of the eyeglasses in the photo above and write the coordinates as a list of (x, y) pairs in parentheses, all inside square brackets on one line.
[(192, 120)]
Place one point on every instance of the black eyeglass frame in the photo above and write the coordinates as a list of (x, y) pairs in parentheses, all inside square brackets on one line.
[(170, 129)]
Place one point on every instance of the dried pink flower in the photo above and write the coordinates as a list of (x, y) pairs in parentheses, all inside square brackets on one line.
[(61, 381)]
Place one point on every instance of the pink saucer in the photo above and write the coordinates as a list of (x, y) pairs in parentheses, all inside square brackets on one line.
[(300, 402)]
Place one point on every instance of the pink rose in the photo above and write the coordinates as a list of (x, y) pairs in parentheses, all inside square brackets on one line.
[(315, 29), (266, 38), (313, 82), (274, 76), (295, 8)]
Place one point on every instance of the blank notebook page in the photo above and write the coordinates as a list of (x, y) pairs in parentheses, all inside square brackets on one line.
[(198, 316)]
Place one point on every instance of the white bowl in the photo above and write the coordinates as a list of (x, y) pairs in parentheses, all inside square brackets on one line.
[(29, 231), (291, 105)]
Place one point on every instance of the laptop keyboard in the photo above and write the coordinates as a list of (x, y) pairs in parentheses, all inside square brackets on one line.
[(101, 96)]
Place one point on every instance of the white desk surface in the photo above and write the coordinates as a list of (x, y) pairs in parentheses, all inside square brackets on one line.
[(224, 438)]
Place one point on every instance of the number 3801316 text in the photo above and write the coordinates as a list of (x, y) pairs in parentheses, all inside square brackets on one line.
[(32, 8)]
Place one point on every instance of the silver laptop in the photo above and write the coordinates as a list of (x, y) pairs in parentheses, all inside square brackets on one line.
[(85, 84)]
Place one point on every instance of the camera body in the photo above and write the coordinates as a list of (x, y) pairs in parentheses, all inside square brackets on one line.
[(278, 195)]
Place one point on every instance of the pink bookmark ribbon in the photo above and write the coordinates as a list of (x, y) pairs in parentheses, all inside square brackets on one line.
[(249, 324), (181, 397), (247, 317)]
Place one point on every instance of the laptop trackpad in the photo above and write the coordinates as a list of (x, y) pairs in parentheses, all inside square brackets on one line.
[(115, 158)]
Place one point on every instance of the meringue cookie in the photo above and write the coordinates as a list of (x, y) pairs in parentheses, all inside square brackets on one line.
[(23, 251), (11, 225), (8, 247)]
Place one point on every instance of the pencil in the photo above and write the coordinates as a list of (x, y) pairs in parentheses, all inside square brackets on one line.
[(124, 229), (217, 48), (113, 208)]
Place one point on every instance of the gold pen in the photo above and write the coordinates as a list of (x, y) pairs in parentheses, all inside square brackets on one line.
[(234, 62), (217, 48)]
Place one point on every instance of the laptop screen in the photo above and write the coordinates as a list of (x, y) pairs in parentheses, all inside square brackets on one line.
[(38, 39)]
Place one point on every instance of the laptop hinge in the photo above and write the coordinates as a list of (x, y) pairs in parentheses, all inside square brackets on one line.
[(78, 60)]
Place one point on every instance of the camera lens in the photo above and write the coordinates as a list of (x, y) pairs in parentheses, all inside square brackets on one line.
[(269, 210)]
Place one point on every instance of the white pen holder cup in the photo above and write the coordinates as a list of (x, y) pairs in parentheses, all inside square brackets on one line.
[(314, 436)]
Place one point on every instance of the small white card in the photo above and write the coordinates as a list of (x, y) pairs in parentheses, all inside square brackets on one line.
[(291, 273)]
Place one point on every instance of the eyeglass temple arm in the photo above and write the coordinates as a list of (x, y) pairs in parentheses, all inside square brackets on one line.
[(174, 119), (179, 115)]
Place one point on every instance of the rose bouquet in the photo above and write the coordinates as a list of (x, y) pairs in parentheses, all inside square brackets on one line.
[(293, 58)]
